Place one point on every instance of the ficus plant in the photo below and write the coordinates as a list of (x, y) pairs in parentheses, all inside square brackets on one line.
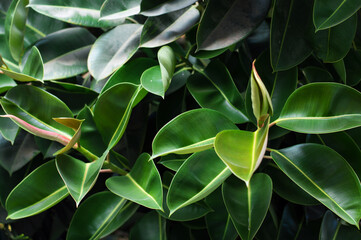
[(180, 119)]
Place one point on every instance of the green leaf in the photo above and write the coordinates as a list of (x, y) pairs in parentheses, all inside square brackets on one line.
[(15, 156), (291, 31), (60, 48), (287, 189), (150, 227), (321, 108), (330, 226), (17, 76), (226, 23), (291, 223), (159, 7), (328, 13), (142, 185), (248, 205), (112, 49), (340, 69), (112, 111), (6, 83), (332, 44), (130, 72), (261, 100), (316, 74), (192, 131), (161, 30), (352, 63), (15, 27), (34, 64), (21, 104), (172, 161), (215, 89), (198, 176), (75, 124), (79, 177), (219, 223), (40, 190), (303, 164), (242, 151), (85, 13), (99, 215), (115, 10), (8, 128)]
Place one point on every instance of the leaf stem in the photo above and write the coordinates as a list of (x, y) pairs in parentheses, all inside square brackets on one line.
[(269, 149), (86, 153), (114, 168), (267, 157)]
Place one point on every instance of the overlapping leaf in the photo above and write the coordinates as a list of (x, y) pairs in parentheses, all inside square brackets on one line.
[(115, 10), (159, 7)]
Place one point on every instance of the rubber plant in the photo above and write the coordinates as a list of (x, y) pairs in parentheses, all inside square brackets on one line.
[(180, 119)]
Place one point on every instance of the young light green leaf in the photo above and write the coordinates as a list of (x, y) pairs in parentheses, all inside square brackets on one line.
[(112, 111), (40, 190), (152, 81), (142, 185), (261, 100), (15, 27), (226, 23), (328, 13), (116, 11), (248, 205), (79, 177), (161, 30), (303, 164), (159, 7), (242, 151), (192, 131), (321, 108), (167, 62), (198, 176), (85, 13), (124, 41), (112, 210)]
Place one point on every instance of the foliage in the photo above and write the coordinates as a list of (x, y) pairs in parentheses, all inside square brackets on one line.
[(180, 119)]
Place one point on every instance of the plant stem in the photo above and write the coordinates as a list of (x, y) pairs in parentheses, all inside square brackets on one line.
[(114, 168), (90, 156), (267, 157)]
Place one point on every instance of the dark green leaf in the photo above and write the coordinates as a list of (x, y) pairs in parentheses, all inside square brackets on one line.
[(33, 64), (115, 10), (150, 227), (248, 205), (227, 22), (352, 64), (316, 74), (159, 7), (305, 165), (330, 226), (99, 215)]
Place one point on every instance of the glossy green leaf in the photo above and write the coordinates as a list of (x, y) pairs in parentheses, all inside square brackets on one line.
[(142, 185), (303, 164), (115, 10), (99, 215), (332, 44), (328, 13), (340, 69), (199, 176), (15, 156), (90, 137), (248, 205), (161, 30), (261, 100), (6, 83), (15, 27), (17, 76), (291, 31), (130, 72), (8, 128), (342, 143), (75, 124), (172, 161), (215, 89), (34, 64), (159, 7), (150, 227), (79, 177), (112, 49), (40, 190), (242, 151), (112, 111), (279, 84), (85, 13), (225, 23), (22, 105), (287, 189), (219, 223), (192, 131), (65, 52), (321, 108), (316, 74)]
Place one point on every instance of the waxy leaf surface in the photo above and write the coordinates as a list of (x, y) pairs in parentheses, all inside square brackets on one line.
[(159, 7), (115, 10)]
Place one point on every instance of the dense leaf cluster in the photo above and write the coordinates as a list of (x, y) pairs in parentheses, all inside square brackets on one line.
[(180, 119)]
